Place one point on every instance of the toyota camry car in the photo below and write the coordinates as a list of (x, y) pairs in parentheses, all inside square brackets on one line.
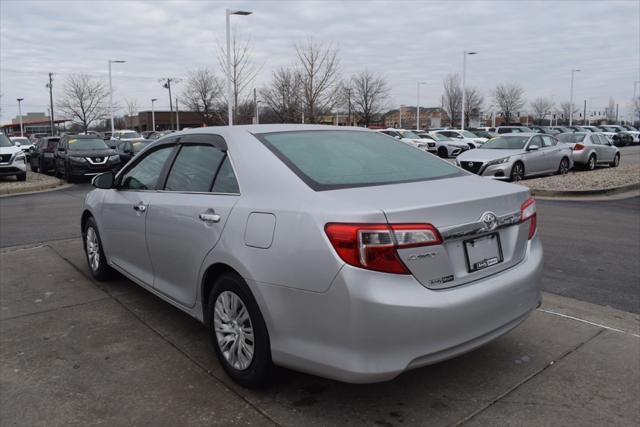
[(333, 251), (12, 159), (590, 149), (517, 156), (84, 155)]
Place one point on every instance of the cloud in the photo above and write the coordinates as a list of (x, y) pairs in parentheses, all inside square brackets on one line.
[(534, 44)]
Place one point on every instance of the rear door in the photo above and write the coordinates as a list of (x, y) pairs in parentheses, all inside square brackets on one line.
[(535, 159), (607, 150), (187, 217), (552, 152)]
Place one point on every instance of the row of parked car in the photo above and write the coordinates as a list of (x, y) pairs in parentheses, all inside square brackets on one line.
[(515, 152)]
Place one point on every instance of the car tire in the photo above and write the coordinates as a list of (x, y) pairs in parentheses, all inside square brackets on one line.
[(616, 161), (517, 172), (443, 152), (94, 252), (592, 162), (21, 176), (563, 168), (471, 146), (251, 366)]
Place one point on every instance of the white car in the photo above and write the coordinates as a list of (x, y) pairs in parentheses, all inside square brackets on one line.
[(405, 136), (447, 146), (13, 161), (126, 135), (24, 143), (472, 140)]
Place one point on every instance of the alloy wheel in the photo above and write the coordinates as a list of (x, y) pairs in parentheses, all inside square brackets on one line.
[(564, 167), (234, 330), (517, 173), (93, 249), (592, 163)]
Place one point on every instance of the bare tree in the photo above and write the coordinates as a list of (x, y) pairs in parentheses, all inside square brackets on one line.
[(369, 93), (83, 100), (509, 98), (452, 98), (565, 110), (131, 112), (473, 104), (318, 67), (243, 70), (283, 95), (202, 93), (541, 108)]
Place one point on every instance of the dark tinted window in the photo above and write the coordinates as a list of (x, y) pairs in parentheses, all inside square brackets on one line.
[(226, 180), (330, 159), (194, 168), (144, 175)]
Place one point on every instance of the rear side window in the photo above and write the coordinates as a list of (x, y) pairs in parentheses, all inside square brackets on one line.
[(194, 168), (328, 159), (226, 181)]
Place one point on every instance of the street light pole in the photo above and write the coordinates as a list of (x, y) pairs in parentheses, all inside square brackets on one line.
[(112, 61), (573, 71), (400, 120), (228, 16), (153, 114), (177, 115), (464, 78), (418, 106), (20, 114)]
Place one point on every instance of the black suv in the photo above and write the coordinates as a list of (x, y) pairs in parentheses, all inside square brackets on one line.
[(42, 156), (84, 155)]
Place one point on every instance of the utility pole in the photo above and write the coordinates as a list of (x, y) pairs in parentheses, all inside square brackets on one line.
[(349, 106), (153, 114), (616, 113), (584, 118), (177, 115), (571, 98), (167, 85), (50, 86), (20, 114), (255, 105)]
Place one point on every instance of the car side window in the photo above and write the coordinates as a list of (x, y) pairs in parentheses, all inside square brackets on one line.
[(595, 139), (144, 175), (536, 140), (226, 181), (548, 141), (195, 168)]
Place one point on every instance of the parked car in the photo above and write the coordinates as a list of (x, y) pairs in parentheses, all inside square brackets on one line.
[(635, 133), (12, 159), (544, 129), (159, 134), (126, 135), (481, 133), (472, 140), (36, 136), (405, 136), (589, 129), (84, 155), (42, 157), (513, 129), (145, 134), (590, 149), (447, 147), (339, 253), (24, 143), (518, 156), (561, 129), (127, 149)]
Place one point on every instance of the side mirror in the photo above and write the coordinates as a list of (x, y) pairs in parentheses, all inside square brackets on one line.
[(17, 144), (396, 137), (104, 180), (533, 148)]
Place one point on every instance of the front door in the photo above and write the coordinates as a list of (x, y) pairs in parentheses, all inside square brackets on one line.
[(124, 215), (187, 217)]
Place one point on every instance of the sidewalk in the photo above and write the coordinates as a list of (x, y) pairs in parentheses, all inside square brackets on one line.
[(75, 352)]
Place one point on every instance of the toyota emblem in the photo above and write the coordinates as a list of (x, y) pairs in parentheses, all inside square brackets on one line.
[(490, 221)]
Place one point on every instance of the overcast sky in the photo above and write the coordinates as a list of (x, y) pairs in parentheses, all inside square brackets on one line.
[(532, 43)]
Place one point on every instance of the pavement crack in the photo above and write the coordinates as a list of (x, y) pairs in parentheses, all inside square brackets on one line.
[(167, 341), (525, 380), (19, 316)]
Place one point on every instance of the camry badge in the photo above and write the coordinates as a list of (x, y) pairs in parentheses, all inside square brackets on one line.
[(489, 220)]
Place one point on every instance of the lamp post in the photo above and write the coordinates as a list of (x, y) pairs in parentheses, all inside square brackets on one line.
[(153, 113), (464, 78), (20, 114), (418, 106), (228, 16), (400, 119), (573, 71), (112, 61), (633, 104)]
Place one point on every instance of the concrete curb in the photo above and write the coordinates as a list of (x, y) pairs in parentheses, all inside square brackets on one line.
[(36, 188), (580, 193)]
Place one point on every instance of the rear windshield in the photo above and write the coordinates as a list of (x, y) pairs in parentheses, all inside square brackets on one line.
[(328, 160), (571, 138)]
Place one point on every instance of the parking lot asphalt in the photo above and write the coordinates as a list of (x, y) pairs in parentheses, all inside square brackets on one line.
[(75, 352)]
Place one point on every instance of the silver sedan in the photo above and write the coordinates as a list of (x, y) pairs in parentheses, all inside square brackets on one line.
[(336, 252), (591, 149), (517, 156)]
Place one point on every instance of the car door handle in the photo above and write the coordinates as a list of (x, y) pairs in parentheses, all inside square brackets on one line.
[(140, 207), (209, 217)]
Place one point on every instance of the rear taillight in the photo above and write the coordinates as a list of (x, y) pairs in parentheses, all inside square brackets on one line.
[(528, 212), (578, 147), (374, 246)]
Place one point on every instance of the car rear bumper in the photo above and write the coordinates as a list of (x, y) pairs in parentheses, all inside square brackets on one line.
[(370, 327)]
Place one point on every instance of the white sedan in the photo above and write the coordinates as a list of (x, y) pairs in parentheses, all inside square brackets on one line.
[(472, 140)]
